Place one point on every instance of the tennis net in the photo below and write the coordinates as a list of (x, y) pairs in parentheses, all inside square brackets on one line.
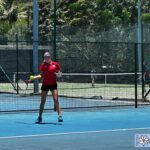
[(76, 90)]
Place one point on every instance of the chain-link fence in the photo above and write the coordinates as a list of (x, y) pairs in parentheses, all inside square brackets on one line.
[(115, 70), (74, 57), (95, 33)]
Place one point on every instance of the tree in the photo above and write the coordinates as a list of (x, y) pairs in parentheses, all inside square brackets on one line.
[(11, 13)]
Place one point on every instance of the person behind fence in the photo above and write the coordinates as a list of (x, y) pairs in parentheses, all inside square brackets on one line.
[(93, 77), (146, 74), (146, 77), (49, 70)]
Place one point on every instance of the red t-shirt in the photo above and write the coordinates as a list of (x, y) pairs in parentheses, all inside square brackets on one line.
[(49, 72)]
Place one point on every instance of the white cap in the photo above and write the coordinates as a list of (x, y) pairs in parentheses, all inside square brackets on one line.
[(47, 54)]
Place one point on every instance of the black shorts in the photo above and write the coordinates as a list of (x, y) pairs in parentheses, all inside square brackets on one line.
[(49, 87)]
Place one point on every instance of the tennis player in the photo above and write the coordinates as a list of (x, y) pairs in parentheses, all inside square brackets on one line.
[(93, 76), (49, 70)]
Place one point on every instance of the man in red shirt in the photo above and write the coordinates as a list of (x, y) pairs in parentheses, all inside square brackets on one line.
[(49, 69)]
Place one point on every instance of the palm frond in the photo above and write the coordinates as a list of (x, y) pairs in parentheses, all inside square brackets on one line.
[(2, 5)]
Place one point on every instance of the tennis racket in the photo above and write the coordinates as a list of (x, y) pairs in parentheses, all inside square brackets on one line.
[(23, 86)]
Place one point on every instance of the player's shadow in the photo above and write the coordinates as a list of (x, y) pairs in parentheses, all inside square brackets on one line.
[(53, 123), (43, 123)]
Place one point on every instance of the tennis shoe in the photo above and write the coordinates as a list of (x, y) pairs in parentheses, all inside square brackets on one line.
[(60, 119), (39, 120)]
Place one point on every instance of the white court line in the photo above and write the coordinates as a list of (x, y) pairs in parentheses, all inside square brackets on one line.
[(70, 133)]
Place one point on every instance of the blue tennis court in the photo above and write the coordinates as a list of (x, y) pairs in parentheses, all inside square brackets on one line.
[(112, 129)]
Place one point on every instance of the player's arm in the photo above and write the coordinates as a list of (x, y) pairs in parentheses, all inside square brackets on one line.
[(32, 78), (35, 77), (58, 72)]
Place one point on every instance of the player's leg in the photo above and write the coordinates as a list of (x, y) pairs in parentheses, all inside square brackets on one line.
[(93, 82), (43, 100), (42, 103), (56, 103)]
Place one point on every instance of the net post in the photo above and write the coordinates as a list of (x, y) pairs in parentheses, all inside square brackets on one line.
[(135, 76), (142, 71)]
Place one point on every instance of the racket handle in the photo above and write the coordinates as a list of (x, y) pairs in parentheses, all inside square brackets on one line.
[(27, 81)]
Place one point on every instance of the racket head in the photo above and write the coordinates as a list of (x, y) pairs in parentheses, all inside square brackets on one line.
[(22, 86)]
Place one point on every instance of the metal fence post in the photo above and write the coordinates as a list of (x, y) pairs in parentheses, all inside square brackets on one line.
[(55, 22), (35, 44), (135, 77), (17, 62)]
